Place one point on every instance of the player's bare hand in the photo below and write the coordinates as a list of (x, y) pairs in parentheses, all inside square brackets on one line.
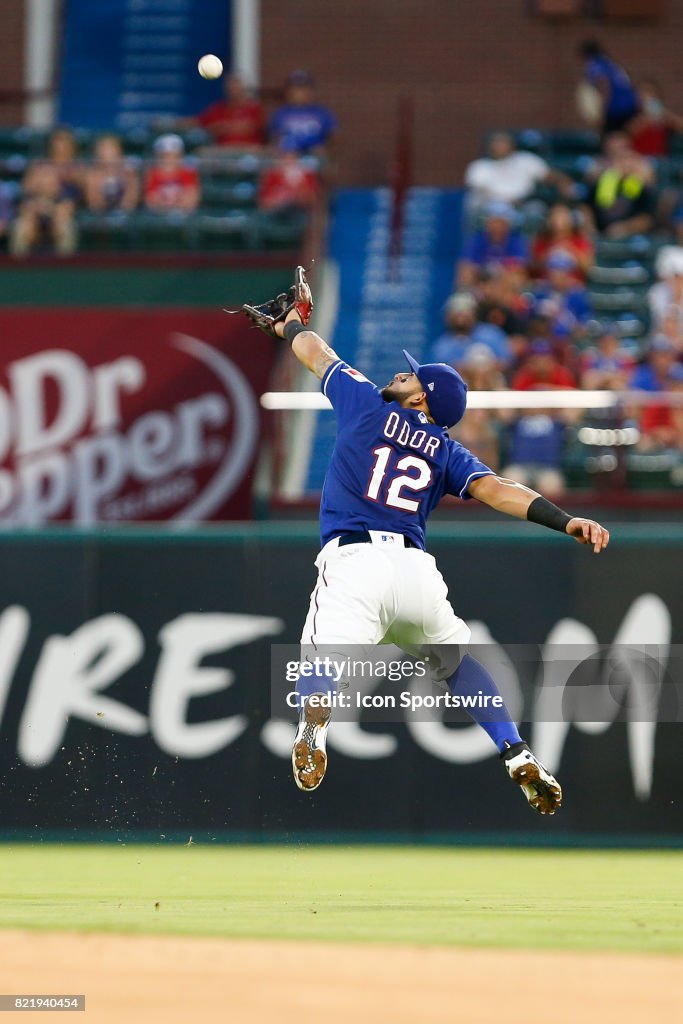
[(587, 531)]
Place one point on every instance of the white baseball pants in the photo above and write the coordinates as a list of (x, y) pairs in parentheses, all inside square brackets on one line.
[(381, 592)]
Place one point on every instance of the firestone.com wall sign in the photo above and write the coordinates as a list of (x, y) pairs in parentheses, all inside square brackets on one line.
[(140, 695)]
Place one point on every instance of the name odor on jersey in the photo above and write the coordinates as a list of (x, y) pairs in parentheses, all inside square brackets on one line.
[(401, 431)]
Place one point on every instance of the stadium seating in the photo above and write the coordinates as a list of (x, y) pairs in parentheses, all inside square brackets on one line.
[(227, 220)]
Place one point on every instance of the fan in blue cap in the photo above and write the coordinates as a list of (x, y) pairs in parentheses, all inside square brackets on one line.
[(445, 389)]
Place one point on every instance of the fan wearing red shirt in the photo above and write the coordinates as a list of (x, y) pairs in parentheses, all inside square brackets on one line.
[(289, 183), (652, 128), (169, 183), (235, 120), (661, 425), (563, 232), (542, 371)]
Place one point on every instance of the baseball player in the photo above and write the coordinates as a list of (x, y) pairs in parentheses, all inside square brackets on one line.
[(392, 462)]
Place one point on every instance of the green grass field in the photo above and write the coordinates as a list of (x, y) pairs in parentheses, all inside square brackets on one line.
[(618, 900)]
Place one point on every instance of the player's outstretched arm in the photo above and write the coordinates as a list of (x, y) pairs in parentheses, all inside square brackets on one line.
[(517, 500), (308, 347)]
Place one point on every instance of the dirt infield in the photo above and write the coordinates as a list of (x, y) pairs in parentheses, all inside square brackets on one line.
[(147, 979)]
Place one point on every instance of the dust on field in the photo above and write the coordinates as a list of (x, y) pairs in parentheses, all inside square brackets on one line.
[(171, 980)]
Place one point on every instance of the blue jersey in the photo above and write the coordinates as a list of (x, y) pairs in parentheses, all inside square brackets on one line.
[(305, 127), (622, 98), (390, 466)]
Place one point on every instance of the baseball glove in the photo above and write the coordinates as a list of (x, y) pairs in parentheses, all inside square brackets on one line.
[(276, 310)]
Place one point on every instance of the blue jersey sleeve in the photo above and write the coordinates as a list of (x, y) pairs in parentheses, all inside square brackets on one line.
[(518, 247), (473, 250), (349, 391), (275, 124), (595, 70), (578, 303), (462, 468)]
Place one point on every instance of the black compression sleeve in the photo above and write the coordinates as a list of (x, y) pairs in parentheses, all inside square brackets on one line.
[(292, 329), (544, 513)]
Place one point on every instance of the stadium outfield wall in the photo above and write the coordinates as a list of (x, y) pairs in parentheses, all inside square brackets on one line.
[(135, 689)]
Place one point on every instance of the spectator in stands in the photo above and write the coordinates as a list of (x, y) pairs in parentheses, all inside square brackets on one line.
[(608, 365), (661, 424), (616, 147), (537, 438), (654, 371), (541, 329), (503, 304), (463, 330), (560, 298), (564, 231), (653, 126), (504, 291), (236, 120), (301, 120), (621, 202), (289, 184), (63, 158), (542, 370), (112, 185), (666, 297), (671, 327), (670, 208), (171, 185), (495, 247), (478, 428), (501, 316), (51, 191), (619, 101), (480, 369), (535, 447), (508, 175)]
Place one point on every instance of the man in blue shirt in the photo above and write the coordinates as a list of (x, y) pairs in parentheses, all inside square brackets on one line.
[(463, 330), (654, 372), (495, 247), (619, 96), (560, 298), (302, 123), (392, 462)]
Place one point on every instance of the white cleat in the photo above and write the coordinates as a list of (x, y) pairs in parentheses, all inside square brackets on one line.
[(309, 757), (541, 789)]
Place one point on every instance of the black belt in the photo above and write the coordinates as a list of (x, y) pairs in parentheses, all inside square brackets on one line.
[(363, 537)]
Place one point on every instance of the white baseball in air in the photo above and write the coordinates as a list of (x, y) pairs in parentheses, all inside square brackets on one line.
[(210, 66)]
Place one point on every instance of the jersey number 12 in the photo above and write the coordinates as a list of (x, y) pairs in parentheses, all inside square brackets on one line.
[(394, 498)]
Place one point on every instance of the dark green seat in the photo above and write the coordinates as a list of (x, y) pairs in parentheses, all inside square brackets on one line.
[(159, 232), (676, 147), (638, 247), (574, 165), (136, 141), (622, 299), (614, 272), (221, 195), (277, 230), (572, 143), (16, 142), (98, 233), (226, 231), (648, 471)]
